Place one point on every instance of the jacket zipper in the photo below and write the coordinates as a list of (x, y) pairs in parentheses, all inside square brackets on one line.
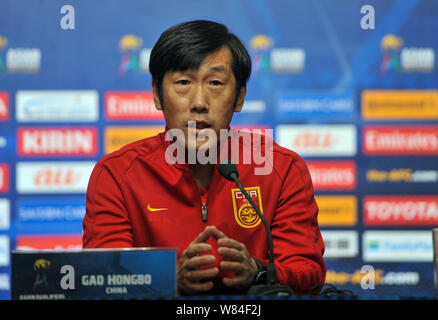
[(204, 212), (204, 202)]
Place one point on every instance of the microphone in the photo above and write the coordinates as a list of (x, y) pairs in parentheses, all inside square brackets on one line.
[(271, 287)]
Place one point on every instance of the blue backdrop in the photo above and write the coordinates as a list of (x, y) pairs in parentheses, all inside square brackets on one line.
[(313, 63)]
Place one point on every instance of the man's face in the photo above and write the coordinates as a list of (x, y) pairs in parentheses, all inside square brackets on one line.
[(206, 96)]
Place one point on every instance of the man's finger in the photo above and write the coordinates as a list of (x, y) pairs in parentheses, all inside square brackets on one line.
[(234, 282), (202, 237), (195, 249), (198, 261), (193, 287), (235, 267), (230, 254), (199, 275), (231, 243), (215, 232)]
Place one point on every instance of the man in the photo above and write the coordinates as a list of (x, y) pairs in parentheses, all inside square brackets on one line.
[(138, 198)]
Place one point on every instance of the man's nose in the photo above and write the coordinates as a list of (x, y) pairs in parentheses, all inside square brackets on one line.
[(200, 100)]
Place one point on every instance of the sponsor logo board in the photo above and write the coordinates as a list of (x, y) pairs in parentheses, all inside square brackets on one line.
[(59, 141), (117, 137), (399, 175), (253, 106), (4, 177), (319, 104), (337, 210), (400, 104), (4, 106), (397, 246), (53, 177), (401, 140), (380, 276), (4, 251), (333, 175), (5, 214), (318, 140), (43, 241), (401, 210), (131, 105), (66, 209), (340, 244), (57, 106), (3, 142)]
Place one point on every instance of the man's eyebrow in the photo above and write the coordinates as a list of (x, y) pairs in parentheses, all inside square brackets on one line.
[(217, 69), (220, 68)]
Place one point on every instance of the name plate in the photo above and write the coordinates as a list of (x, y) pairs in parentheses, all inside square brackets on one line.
[(137, 273)]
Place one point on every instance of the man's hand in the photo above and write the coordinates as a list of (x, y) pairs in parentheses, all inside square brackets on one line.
[(191, 278), (238, 260)]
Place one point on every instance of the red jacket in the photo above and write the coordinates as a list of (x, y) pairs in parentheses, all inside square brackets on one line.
[(128, 186)]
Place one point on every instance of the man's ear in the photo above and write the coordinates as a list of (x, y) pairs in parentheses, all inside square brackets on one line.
[(240, 99), (156, 95)]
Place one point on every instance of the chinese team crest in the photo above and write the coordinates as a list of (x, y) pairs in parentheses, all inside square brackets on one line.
[(244, 213)]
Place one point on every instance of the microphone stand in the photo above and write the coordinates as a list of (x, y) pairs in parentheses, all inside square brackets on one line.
[(271, 287)]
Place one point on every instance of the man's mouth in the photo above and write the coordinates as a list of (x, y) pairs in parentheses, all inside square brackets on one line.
[(201, 124)]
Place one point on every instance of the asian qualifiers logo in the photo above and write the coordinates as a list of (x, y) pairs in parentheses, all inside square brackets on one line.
[(129, 45), (260, 48), (390, 46), (134, 57), (403, 59), (41, 266)]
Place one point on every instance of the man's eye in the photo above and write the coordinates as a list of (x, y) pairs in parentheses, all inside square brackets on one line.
[(216, 82), (183, 82)]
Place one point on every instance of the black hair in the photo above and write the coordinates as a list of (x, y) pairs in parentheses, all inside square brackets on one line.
[(185, 45)]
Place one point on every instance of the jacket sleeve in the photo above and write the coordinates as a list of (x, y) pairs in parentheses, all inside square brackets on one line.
[(106, 223), (298, 245)]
